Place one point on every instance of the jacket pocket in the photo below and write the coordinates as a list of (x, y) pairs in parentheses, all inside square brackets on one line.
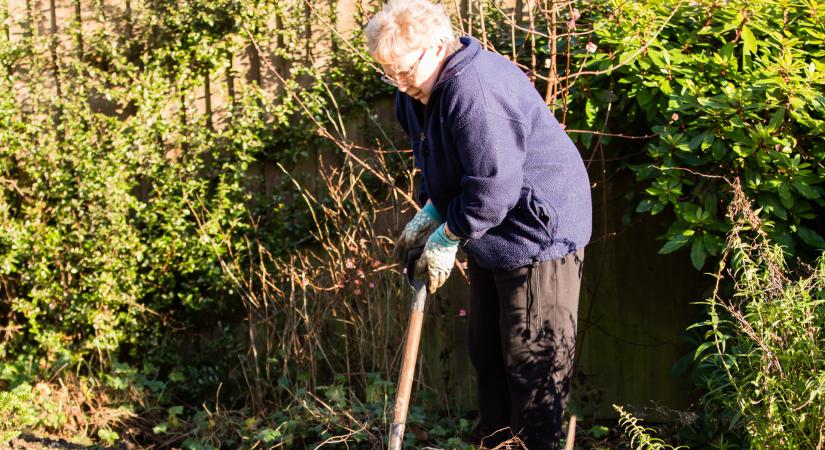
[(543, 215)]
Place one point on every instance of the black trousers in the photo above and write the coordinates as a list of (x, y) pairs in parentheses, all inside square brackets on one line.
[(522, 341)]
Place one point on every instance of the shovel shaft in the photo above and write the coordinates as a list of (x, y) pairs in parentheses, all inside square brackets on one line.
[(571, 434), (405, 378)]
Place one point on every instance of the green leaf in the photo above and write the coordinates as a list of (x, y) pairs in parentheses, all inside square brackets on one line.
[(785, 195), (718, 150), (696, 141), (710, 203), (626, 57), (438, 430), (657, 208), (673, 245), (772, 206), (645, 205), (710, 243), (748, 40), (701, 349), (653, 54), (108, 436), (707, 139), (726, 52), (598, 431), (335, 393), (664, 86), (644, 97), (777, 118), (697, 254), (810, 237), (690, 212), (806, 190), (786, 241), (176, 376), (268, 435), (591, 112)]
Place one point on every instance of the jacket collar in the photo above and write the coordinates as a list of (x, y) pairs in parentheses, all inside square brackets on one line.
[(458, 61)]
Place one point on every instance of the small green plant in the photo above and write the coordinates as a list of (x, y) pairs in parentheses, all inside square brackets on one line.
[(641, 438), (16, 412)]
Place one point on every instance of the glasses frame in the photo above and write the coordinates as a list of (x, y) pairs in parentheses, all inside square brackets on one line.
[(407, 74)]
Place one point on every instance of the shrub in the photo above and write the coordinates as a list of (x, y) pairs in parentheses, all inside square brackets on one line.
[(730, 89)]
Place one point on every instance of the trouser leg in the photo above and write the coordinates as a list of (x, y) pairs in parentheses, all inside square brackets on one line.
[(486, 355), (538, 312)]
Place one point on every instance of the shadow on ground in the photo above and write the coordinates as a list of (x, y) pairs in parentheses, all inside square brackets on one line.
[(30, 442)]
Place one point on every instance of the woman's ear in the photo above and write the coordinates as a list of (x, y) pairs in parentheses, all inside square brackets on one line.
[(442, 49)]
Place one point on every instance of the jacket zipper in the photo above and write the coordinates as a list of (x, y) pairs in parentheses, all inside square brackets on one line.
[(423, 126), (424, 130), (427, 115)]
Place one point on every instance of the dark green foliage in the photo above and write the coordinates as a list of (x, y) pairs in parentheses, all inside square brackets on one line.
[(731, 89)]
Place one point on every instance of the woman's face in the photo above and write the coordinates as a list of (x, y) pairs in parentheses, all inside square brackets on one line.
[(415, 73)]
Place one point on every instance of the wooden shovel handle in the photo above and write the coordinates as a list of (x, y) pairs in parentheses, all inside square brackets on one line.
[(571, 434), (405, 378)]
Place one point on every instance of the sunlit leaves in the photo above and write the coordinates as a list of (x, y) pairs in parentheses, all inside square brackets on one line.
[(732, 90)]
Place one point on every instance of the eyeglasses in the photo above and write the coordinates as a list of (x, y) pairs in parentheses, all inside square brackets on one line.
[(404, 74)]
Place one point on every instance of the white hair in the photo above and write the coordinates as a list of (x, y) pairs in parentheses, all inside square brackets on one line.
[(404, 26)]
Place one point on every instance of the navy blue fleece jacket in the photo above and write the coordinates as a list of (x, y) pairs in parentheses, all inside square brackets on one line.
[(496, 164)]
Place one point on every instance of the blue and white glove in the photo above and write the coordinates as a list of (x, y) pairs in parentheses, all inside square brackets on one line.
[(426, 220), (438, 258)]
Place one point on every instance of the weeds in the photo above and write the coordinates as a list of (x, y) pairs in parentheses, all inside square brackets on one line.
[(16, 412), (763, 359), (641, 438)]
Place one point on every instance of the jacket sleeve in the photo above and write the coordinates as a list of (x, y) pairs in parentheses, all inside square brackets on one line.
[(490, 147), (423, 196)]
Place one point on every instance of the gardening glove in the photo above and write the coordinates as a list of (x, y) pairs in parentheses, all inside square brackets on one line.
[(437, 259), (415, 233)]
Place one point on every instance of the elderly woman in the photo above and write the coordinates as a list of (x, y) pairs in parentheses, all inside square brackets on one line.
[(501, 179)]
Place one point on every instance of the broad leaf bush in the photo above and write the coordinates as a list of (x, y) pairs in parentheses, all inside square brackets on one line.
[(731, 89)]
